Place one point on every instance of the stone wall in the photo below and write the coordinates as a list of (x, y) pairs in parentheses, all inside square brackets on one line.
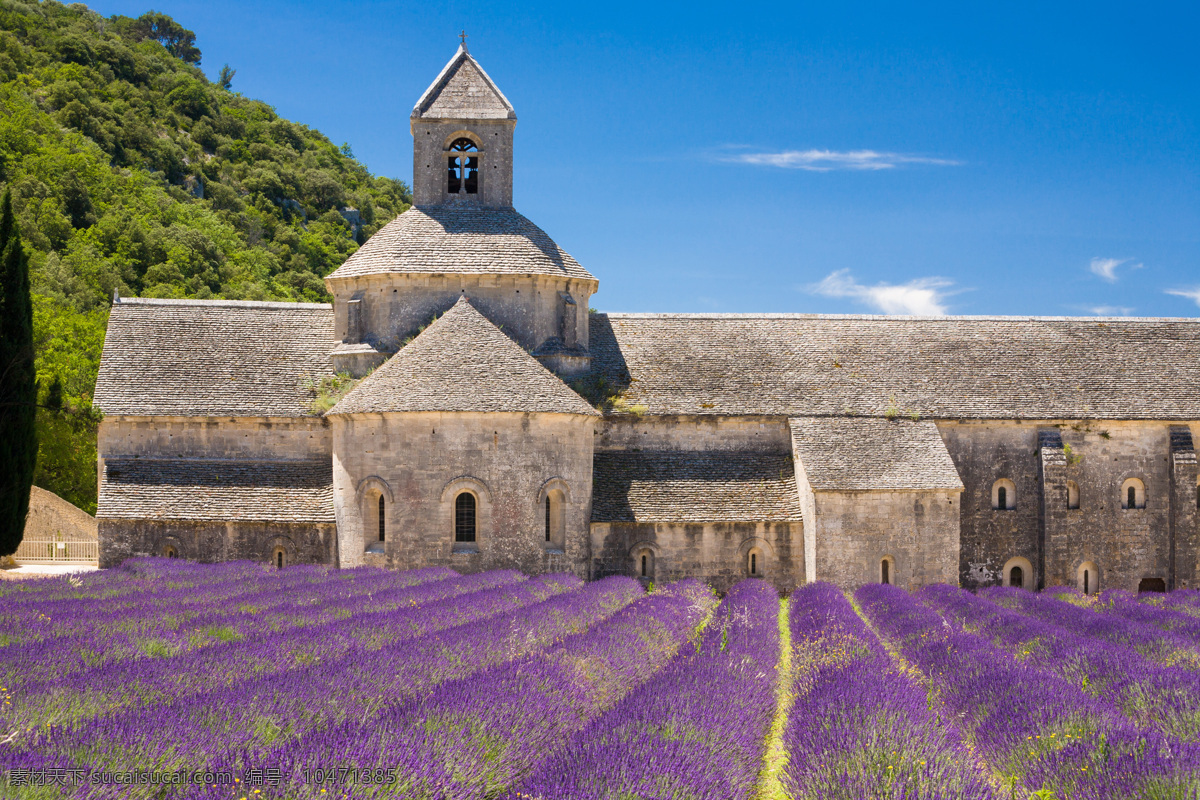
[(420, 462), (713, 552), (265, 438), (855, 531), (767, 434), (216, 541), (51, 517), (495, 142), (395, 306)]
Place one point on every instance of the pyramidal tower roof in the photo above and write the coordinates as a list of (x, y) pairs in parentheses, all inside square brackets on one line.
[(462, 90), (462, 362)]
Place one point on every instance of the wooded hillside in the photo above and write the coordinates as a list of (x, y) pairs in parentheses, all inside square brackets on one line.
[(133, 173)]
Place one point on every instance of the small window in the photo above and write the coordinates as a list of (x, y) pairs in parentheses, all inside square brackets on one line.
[(547, 518), (382, 519), (1004, 495), (887, 570), (754, 563), (1018, 572), (279, 558), (643, 563), (1133, 494), (1088, 578), (462, 174), (464, 517), (170, 552), (1072, 495), (1016, 577), (1152, 585)]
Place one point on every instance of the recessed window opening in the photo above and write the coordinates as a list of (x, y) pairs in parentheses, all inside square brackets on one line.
[(382, 518), (464, 517), (645, 558), (885, 571), (279, 558), (1072, 495), (1087, 589), (1133, 494), (1088, 577), (1016, 577), (462, 175), (643, 562), (1152, 585), (1004, 495), (547, 518), (754, 563), (170, 553)]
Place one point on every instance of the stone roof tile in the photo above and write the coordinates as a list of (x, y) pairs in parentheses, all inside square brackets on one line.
[(937, 367), (212, 357), (872, 454), (462, 362), (453, 239), (462, 90), (201, 489), (693, 486)]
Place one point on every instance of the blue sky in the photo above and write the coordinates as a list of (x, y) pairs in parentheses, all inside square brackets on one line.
[(796, 157)]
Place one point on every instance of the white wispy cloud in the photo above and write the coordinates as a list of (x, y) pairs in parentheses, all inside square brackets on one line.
[(1106, 268), (1111, 311), (1192, 294), (829, 160), (922, 296)]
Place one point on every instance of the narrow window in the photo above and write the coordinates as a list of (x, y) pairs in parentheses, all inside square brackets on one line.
[(754, 563), (644, 559), (1002, 497), (547, 518), (462, 174), (382, 515), (1087, 588), (170, 553), (886, 571), (1131, 501), (464, 517), (278, 559), (1072, 495), (1017, 578)]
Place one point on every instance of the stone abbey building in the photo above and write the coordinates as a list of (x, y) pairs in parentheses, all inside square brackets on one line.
[(974, 450)]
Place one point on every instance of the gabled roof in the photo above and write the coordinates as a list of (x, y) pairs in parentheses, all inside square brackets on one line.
[(210, 489), (456, 240), (1034, 368), (462, 362), (462, 90), (848, 454), (213, 358), (693, 486)]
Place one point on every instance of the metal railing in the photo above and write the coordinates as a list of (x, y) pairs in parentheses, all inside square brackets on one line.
[(57, 551)]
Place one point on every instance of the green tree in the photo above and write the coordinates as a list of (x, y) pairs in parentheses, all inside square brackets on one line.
[(18, 383), (225, 79)]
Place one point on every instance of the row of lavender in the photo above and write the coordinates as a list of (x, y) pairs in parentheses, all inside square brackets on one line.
[(498, 686)]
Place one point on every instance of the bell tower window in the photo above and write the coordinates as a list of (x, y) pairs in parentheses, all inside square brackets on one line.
[(462, 173)]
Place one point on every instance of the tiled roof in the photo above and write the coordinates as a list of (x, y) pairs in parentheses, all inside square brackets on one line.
[(197, 489), (454, 239), (693, 486), (462, 90), (462, 362), (872, 454), (213, 357), (938, 367)]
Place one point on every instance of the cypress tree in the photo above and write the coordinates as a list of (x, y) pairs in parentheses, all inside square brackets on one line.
[(18, 383)]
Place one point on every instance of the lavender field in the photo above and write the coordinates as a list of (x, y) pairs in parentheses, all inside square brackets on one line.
[(167, 679)]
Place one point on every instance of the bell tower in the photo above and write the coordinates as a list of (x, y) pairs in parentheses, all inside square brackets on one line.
[(462, 130)]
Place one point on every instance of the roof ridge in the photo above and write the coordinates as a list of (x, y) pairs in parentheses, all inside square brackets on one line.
[(218, 303)]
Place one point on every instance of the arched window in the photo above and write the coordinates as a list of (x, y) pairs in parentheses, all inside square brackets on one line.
[(170, 552), (1018, 572), (1004, 495), (279, 558), (754, 563), (464, 517), (1133, 494), (1072, 495), (643, 563), (547, 518), (382, 519), (887, 570), (462, 174), (1088, 578)]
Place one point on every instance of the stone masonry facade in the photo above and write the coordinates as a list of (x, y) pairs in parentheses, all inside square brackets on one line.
[(1033, 451)]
